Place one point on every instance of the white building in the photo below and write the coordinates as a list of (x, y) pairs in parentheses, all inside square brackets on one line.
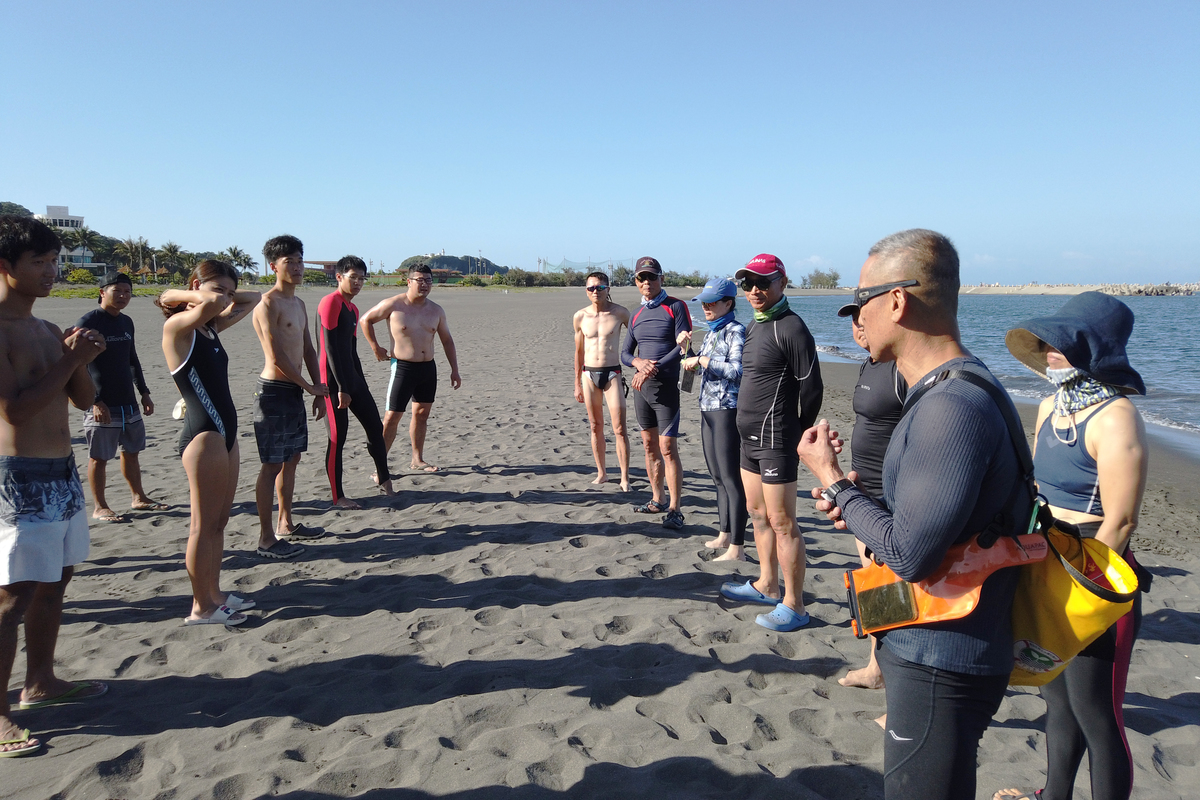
[(60, 217)]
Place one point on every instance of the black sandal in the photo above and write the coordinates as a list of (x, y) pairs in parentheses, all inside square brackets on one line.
[(650, 507)]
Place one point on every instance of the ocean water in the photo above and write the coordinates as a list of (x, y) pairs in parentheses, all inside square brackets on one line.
[(1164, 348)]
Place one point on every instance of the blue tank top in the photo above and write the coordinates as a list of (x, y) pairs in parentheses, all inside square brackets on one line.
[(1066, 473)]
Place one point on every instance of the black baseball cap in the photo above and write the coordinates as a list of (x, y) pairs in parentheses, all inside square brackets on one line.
[(115, 276)]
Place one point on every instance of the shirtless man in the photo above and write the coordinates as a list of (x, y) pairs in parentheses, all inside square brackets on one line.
[(413, 320), (597, 352), (280, 426), (43, 519)]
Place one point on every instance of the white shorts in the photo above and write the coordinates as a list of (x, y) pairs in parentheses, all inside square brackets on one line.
[(43, 519)]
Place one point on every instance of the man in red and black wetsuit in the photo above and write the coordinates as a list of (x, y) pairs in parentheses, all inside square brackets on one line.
[(655, 332), (342, 372)]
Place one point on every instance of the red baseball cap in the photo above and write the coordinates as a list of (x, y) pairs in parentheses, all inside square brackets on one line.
[(647, 264), (763, 265)]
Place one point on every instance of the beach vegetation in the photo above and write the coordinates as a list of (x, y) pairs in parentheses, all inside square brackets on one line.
[(14, 208), (820, 279), (80, 276), (473, 280)]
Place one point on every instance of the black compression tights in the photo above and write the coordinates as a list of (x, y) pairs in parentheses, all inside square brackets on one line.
[(935, 720), (1083, 714), (363, 406), (722, 448)]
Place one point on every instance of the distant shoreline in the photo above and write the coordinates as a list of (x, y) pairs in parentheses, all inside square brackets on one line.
[(1118, 289)]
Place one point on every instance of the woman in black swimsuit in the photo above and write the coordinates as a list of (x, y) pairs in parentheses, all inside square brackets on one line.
[(208, 444)]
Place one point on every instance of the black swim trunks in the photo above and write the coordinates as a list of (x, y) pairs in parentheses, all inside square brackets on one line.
[(656, 404), (411, 380), (602, 376), (280, 421), (772, 466)]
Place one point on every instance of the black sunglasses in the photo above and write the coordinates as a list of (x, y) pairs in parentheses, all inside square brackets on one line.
[(762, 284), (863, 296), (599, 287), (644, 277)]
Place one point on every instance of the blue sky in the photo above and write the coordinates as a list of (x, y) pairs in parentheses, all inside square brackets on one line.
[(1053, 142)]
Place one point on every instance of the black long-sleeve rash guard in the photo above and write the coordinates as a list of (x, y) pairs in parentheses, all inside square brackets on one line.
[(117, 369), (653, 331), (781, 390)]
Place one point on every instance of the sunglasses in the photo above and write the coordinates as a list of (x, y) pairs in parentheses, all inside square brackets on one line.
[(762, 284), (599, 287), (863, 296), (646, 277)]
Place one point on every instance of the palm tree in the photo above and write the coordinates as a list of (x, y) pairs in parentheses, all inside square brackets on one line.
[(239, 258), (168, 255), (126, 252), (188, 261)]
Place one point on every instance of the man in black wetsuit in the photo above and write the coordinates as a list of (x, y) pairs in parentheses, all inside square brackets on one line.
[(780, 396), (655, 332), (342, 372), (115, 418), (951, 471)]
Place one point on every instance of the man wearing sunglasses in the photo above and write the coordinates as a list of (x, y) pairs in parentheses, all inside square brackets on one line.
[(779, 398), (598, 343), (654, 333), (951, 471)]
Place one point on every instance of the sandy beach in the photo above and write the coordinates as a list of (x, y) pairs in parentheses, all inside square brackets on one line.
[(505, 628)]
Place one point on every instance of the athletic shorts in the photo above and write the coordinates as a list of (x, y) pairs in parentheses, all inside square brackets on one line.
[(43, 523), (772, 466), (280, 421), (411, 380), (126, 429), (656, 405)]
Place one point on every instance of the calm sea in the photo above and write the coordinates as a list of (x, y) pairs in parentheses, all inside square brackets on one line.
[(1165, 347)]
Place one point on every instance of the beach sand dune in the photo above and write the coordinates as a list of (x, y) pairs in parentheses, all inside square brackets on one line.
[(505, 628)]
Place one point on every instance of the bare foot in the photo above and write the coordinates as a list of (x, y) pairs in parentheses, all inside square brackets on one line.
[(423, 466), (721, 542), (734, 553), (387, 489), (600, 479), (882, 721), (865, 678), (348, 504), (107, 515), (148, 504), (1003, 793), (624, 484)]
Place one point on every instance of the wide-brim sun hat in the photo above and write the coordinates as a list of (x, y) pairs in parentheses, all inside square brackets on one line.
[(763, 265), (1091, 330), (717, 289)]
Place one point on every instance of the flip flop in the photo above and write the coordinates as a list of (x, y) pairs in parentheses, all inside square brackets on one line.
[(783, 619), (281, 550), (80, 691), (1030, 795), (113, 517), (746, 593), (650, 507), (232, 601), (304, 532), (222, 616), (151, 507), (29, 748)]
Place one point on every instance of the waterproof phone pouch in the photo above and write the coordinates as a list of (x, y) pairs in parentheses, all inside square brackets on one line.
[(881, 600), (687, 378)]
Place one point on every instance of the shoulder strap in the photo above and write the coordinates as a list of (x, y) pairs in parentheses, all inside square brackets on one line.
[(1016, 433)]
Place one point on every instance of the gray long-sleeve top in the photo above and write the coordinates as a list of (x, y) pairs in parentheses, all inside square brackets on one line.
[(950, 468)]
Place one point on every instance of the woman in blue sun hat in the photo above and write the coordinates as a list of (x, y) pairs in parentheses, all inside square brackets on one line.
[(1090, 461), (720, 366)]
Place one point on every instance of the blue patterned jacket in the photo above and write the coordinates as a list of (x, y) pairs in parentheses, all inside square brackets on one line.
[(719, 382)]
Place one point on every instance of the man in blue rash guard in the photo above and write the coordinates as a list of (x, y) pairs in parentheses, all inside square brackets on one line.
[(951, 470), (654, 333)]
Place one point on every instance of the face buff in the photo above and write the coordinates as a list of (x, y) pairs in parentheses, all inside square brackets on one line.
[(1076, 391), (774, 312)]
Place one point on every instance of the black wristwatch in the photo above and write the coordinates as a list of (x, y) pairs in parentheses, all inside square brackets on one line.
[(830, 493)]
